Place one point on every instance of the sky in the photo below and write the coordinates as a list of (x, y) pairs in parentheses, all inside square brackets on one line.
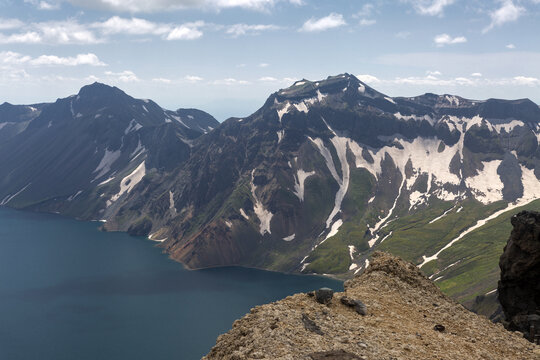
[(227, 56)]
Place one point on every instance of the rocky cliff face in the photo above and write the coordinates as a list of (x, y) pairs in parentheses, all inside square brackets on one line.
[(519, 287), (407, 318)]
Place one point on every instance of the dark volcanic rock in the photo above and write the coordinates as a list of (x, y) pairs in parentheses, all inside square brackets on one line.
[(324, 295), (519, 287), (358, 306), (310, 325)]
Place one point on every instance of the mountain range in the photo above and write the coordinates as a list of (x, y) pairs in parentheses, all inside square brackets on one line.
[(320, 176)]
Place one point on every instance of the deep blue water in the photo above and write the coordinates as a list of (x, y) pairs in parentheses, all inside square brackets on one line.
[(70, 291)]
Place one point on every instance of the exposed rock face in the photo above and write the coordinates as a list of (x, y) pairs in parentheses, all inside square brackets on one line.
[(408, 318), (519, 287)]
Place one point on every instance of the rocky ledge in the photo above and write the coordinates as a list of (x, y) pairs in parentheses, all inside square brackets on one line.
[(519, 287), (405, 316)]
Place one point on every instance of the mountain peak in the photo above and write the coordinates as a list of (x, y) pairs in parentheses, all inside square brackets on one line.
[(98, 89), (342, 83)]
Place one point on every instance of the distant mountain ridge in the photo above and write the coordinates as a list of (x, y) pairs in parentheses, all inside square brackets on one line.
[(321, 175), (86, 144)]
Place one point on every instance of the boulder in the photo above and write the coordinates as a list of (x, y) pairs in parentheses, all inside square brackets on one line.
[(324, 295)]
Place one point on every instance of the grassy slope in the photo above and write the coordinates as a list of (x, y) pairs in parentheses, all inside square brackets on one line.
[(413, 236), (333, 255), (478, 271)]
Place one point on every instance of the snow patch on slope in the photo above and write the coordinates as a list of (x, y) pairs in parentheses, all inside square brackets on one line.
[(299, 180), (133, 126), (72, 197), (280, 134), (290, 237), (283, 110), (378, 225), (508, 127), (106, 162), (443, 215), (265, 216), (244, 215), (427, 118), (172, 208), (352, 250), (486, 185), (333, 231), (130, 181), (340, 145), (8, 198)]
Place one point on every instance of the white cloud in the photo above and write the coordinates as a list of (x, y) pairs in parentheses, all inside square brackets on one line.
[(133, 26), (290, 80), (263, 65), (137, 26), (7, 24), (365, 15), (366, 11), (433, 73), (66, 32), (124, 76), (403, 34), (524, 80), (510, 46), (29, 37), (476, 80), (139, 6), (508, 12), (245, 29), (43, 5), (445, 39), (184, 32), (52, 32), (367, 22), (13, 58), (193, 78), (331, 21), (431, 80), (230, 81), (273, 80), (464, 81), (430, 7), (368, 79), (162, 80), (81, 59)]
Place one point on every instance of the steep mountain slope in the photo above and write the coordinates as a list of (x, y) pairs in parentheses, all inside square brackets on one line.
[(407, 318), (327, 171), (81, 154), (15, 118)]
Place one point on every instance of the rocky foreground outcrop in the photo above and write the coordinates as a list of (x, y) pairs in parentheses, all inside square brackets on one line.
[(519, 287), (407, 318)]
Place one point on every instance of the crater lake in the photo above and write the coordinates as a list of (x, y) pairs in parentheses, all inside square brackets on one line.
[(71, 291)]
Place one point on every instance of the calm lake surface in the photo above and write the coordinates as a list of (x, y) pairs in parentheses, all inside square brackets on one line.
[(70, 291)]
